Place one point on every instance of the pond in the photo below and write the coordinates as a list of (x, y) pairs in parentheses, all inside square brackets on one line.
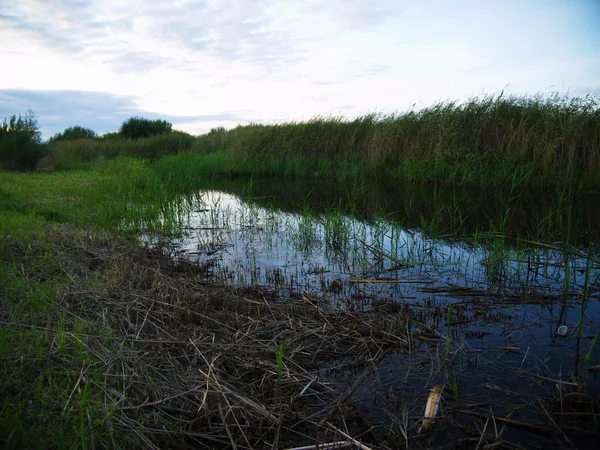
[(502, 288)]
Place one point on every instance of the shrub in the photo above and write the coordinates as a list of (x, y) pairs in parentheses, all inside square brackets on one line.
[(110, 136), (21, 143), (138, 127), (72, 133)]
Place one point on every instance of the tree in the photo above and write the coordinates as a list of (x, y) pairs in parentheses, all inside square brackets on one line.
[(21, 142), (109, 136), (75, 132), (139, 127)]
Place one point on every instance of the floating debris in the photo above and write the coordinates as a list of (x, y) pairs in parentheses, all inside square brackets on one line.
[(431, 408), (562, 330)]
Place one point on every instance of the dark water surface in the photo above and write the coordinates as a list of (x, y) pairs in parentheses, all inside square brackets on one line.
[(488, 276)]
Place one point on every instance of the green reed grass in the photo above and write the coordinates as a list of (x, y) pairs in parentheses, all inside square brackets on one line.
[(485, 141)]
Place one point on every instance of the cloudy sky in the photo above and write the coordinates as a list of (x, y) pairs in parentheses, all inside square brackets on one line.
[(201, 64)]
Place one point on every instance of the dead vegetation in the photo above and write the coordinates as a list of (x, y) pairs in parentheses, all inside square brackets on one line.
[(181, 362)]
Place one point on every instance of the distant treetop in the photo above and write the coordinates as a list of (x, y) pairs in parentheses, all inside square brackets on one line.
[(139, 127), (75, 132)]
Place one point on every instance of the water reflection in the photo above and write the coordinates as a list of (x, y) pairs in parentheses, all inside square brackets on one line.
[(547, 214), (499, 290), (336, 252), (484, 310)]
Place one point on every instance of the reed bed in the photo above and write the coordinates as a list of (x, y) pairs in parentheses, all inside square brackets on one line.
[(483, 141)]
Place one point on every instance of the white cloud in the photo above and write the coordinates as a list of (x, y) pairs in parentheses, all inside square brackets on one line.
[(275, 59)]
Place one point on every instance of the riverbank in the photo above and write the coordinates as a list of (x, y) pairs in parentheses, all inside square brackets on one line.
[(107, 343), (489, 141)]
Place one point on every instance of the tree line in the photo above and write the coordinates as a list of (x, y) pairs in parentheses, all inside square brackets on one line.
[(21, 145)]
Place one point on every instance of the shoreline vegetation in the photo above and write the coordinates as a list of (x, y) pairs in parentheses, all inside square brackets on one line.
[(487, 141), (136, 351), (105, 343)]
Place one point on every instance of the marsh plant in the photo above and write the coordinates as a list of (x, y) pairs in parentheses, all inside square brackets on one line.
[(486, 140), (546, 140)]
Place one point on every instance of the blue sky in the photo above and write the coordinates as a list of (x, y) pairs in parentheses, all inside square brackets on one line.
[(202, 64)]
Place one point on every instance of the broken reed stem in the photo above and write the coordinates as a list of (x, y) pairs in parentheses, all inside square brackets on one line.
[(515, 423), (169, 350)]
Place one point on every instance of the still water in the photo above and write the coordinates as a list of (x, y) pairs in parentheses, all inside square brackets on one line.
[(488, 276)]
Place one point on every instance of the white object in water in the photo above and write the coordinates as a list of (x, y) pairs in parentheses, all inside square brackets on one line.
[(431, 408), (562, 330)]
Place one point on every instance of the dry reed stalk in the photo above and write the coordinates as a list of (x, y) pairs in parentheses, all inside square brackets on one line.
[(207, 350), (187, 362), (326, 446)]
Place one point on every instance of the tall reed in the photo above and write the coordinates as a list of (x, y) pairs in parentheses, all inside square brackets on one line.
[(485, 140)]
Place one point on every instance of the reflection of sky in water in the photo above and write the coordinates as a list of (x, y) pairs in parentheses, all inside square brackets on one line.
[(510, 312), (249, 244), (507, 302)]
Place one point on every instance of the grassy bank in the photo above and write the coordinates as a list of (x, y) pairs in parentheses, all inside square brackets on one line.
[(106, 344), (122, 349), (59, 341), (486, 141)]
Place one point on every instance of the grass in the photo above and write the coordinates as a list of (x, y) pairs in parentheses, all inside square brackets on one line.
[(53, 345), (101, 340), (486, 141), (85, 153), (51, 378), (124, 194)]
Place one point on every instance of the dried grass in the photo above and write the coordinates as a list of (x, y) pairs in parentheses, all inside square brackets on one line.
[(186, 363), (193, 363)]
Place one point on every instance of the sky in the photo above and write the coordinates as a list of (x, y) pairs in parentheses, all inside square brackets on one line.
[(204, 64)]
